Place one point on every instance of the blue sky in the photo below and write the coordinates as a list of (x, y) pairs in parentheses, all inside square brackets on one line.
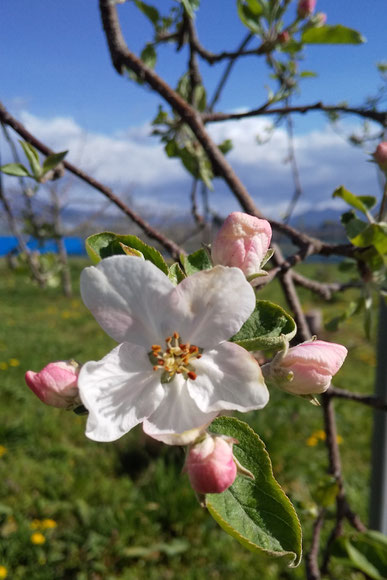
[(55, 68)]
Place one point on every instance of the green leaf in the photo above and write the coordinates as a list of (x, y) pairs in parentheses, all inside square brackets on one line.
[(362, 203), (200, 97), (256, 512), (149, 56), (366, 551), (308, 74), (33, 158), (149, 11), (266, 327), (225, 146), (353, 308), (175, 274), (53, 161), (199, 260), (353, 226), (249, 12), (373, 235), (16, 169), (337, 34), (105, 244)]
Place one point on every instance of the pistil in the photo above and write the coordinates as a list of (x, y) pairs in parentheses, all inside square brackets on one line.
[(175, 359)]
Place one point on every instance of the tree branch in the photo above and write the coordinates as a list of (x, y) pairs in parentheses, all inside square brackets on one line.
[(369, 400), (378, 116), (151, 232), (123, 58)]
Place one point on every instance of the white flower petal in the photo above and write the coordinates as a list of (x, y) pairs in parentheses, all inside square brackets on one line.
[(212, 305), (228, 377), (177, 420), (127, 296), (119, 391)]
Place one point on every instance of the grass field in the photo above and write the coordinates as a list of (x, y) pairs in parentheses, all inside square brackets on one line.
[(73, 508)]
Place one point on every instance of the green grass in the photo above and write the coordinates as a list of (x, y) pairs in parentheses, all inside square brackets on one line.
[(124, 510)]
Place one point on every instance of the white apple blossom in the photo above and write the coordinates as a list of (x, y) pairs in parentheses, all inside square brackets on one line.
[(173, 371)]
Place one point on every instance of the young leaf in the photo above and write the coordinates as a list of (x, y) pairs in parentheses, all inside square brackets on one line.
[(16, 169), (337, 34), (373, 235), (105, 244), (196, 262), (266, 327), (353, 226), (175, 273), (33, 158), (149, 56), (358, 202), (149, 11), (53, 161), (249, 12), (256, 512)]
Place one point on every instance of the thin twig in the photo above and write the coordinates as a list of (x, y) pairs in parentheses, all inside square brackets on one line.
[(151, 232), (369, 400), (311, 558), (378, 116)]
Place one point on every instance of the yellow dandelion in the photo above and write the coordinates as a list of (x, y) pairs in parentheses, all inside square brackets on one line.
[(35, 524), (48, 524), (320, 434), (38, 539), (3, 450), (75, 303), (339, 439), (3, 572), (66, 314), (312, 441), (3, 366), (14, 362)]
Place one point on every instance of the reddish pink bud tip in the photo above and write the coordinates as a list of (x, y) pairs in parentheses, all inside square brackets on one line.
[(56, 384), (210, 465)]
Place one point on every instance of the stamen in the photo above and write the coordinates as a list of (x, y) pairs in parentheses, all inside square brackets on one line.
[(192, 375), (175, 359)]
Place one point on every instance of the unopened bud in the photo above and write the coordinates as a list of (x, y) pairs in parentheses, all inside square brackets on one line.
[(306, 369), (243, 242), (56, 384), (283, 37), (380, 155), (210, 464), (305, 8)]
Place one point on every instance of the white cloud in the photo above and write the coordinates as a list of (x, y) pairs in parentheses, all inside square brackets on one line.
[(132, 161)]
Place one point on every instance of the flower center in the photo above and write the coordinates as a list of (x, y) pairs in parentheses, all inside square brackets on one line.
[(175, 359)]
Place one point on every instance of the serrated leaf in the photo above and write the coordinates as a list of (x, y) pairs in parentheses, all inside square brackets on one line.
[(175, 274), (33, 158), (16, 169), (196, 262), (53, 161), (266, 327), (256, 512), (336, 34), (105, 244), (362, 203)]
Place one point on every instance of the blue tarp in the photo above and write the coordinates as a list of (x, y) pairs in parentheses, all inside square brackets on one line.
[(74, 246)]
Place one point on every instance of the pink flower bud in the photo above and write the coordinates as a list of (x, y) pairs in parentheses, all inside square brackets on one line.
[(210, 464), (242, 241), (319, 19), (380, 155), (283, 37), (56, 384), (307, 368), (305, 8)]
